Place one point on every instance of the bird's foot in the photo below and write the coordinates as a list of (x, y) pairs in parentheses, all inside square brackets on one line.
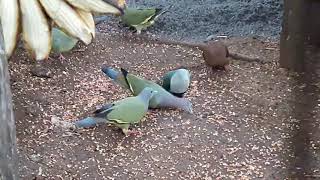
[(61, 57), (50, 58), (138, 31), (227, 67), (134, 133)]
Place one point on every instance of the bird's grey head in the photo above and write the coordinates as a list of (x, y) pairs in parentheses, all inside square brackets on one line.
[(181, 81), (183, 72), (147, 93), (187, 106)]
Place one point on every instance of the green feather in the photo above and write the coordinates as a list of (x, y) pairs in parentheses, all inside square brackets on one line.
[(137, 84), (133, 16), (127, 111), (62, 42), (122, 81), (167, 80), (141, 18)]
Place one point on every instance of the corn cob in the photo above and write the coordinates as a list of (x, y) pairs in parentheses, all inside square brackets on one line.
[(9, 16), (36, 32), (95, 5), (67, 19), (87, 17), (122, 3)]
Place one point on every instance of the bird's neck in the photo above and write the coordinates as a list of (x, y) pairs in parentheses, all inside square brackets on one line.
[(181, 103), (145, 99)]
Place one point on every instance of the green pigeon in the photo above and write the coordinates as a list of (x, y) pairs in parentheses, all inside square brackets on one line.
[(140, 18), (62, 42), (163, 99), (176, 81), (121, 113)]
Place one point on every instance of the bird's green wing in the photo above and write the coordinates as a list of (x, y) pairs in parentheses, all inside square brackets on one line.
[(61, 42), (128, 111), (150, 21), (134, 16), (122, 81), (137, 84), (103, 111)]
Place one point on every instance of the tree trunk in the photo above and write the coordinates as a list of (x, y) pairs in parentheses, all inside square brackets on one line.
[(8, 152), (293, 35)]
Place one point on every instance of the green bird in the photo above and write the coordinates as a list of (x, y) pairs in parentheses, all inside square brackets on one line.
[(141, 18), (163, 99), (62, 42), (176, 81), (121, 113)]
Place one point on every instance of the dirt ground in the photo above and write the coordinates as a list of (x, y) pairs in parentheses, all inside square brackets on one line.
[(194, 20), (245, 124)]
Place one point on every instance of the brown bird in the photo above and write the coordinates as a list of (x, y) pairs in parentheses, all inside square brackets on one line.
[(215, 53)]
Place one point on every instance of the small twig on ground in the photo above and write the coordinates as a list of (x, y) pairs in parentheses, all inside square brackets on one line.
[(79, 50), (312, 175), (270, 48)]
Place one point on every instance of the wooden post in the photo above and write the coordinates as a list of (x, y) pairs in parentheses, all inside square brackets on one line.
[(293, 35), (8, 165)]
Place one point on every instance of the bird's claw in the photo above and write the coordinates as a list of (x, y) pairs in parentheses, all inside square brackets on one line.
[(134, 133), (61, 57), (227, 67)]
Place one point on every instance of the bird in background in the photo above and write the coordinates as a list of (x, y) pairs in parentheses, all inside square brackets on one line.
[(163, 99), (121, 113), (31, 21), (62, 42), (176, 81), (139, 18)]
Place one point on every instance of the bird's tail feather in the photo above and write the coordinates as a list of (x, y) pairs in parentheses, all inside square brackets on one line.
[(125, 74), (103, 111), (159, 12), (103, 108), (89, 122), (113, 74), (117, 76)]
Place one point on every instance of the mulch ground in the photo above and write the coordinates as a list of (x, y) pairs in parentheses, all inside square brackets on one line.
[(244, 124)]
